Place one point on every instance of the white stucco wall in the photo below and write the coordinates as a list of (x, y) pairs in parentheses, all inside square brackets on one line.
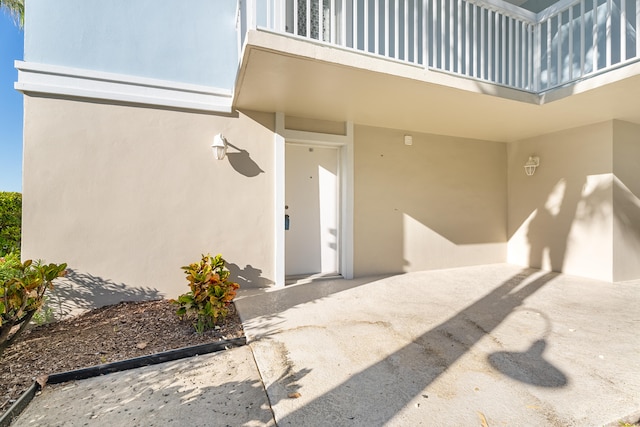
[(127, 195), (439, 203), (192, 42), (626, 198), (561, 218)]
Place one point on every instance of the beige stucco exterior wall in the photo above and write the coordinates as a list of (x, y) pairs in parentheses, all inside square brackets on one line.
[(626, 199), (439, 203), (127, 195), (561, 218)]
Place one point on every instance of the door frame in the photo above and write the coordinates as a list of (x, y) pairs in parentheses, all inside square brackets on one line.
[(344, 143)]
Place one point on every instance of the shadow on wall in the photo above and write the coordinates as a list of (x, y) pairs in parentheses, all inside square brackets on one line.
[(242, 162), (248, 277), (439, 203), (567, 205), (79, 292), (627, 210), (550, 227)]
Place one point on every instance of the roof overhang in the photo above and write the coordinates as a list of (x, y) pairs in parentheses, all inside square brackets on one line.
[(300, 78)]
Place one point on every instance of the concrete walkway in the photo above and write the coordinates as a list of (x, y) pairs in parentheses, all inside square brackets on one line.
[(219, 389), (480, 346), (491, 345)]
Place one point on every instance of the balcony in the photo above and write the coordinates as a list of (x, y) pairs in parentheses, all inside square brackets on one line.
[(410, 64), (492, 41)]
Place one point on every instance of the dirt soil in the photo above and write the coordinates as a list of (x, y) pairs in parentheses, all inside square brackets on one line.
[(104, 335)]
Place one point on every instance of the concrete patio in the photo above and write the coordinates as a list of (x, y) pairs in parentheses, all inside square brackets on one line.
[(491, 345)]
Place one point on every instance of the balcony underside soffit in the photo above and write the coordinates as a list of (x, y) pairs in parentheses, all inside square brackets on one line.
[(299, 78)]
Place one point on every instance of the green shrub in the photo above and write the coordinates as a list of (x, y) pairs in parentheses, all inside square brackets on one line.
[(22, 295), (10, 221), (9, 266), (44, 314), (211, 293)]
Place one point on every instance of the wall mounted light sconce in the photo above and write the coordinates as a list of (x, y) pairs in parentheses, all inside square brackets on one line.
[(531, 165), (408, 140), (219, 146)]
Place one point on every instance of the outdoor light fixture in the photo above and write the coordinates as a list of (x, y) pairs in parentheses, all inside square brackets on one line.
[(531, 165), (219, 146)]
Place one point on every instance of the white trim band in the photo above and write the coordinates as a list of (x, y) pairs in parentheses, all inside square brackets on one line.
[(81, 83)]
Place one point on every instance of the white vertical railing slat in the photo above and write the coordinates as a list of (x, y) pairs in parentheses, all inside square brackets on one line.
[(406, 31), (595, 36), (366, 25), (517, 72), (416, 34), (307, 30), (583, 54), (474, 38), (496, 37), (387, 17), (571, 30), (458, 42), (451, 35), (559, 50), (637, 29), (396, 29), (343, 23), (443, 37), (608, 33), (505, 57), (623, 30), (468, 28), (483, 74), (376, 26)]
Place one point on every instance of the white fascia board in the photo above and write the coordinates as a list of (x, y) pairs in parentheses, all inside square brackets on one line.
[(81, 83)]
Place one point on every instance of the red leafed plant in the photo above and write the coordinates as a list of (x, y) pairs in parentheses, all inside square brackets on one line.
[(22, 289), (211, 293)]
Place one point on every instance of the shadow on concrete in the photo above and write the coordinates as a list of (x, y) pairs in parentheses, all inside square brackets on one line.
[(432, 358), (214, 393), (79, 292), (529, 367), (273, 301)]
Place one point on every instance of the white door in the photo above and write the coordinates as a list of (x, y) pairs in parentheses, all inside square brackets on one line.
[(311, 209)]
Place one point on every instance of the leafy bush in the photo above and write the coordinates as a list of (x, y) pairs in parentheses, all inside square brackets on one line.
[(211, 293), (10, 221), (22, 295), (45, 314), (9, 266)]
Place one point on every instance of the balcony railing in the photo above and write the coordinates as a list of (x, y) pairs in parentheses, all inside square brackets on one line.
[(488, 40)]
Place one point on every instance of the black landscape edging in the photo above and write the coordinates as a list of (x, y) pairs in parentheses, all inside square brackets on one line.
[(138, 362), (19, 405), (123, 365)]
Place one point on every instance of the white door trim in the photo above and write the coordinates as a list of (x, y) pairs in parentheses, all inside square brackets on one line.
[(345, 145)]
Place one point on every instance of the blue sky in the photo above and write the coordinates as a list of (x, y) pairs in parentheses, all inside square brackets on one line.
[(11, 48)]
